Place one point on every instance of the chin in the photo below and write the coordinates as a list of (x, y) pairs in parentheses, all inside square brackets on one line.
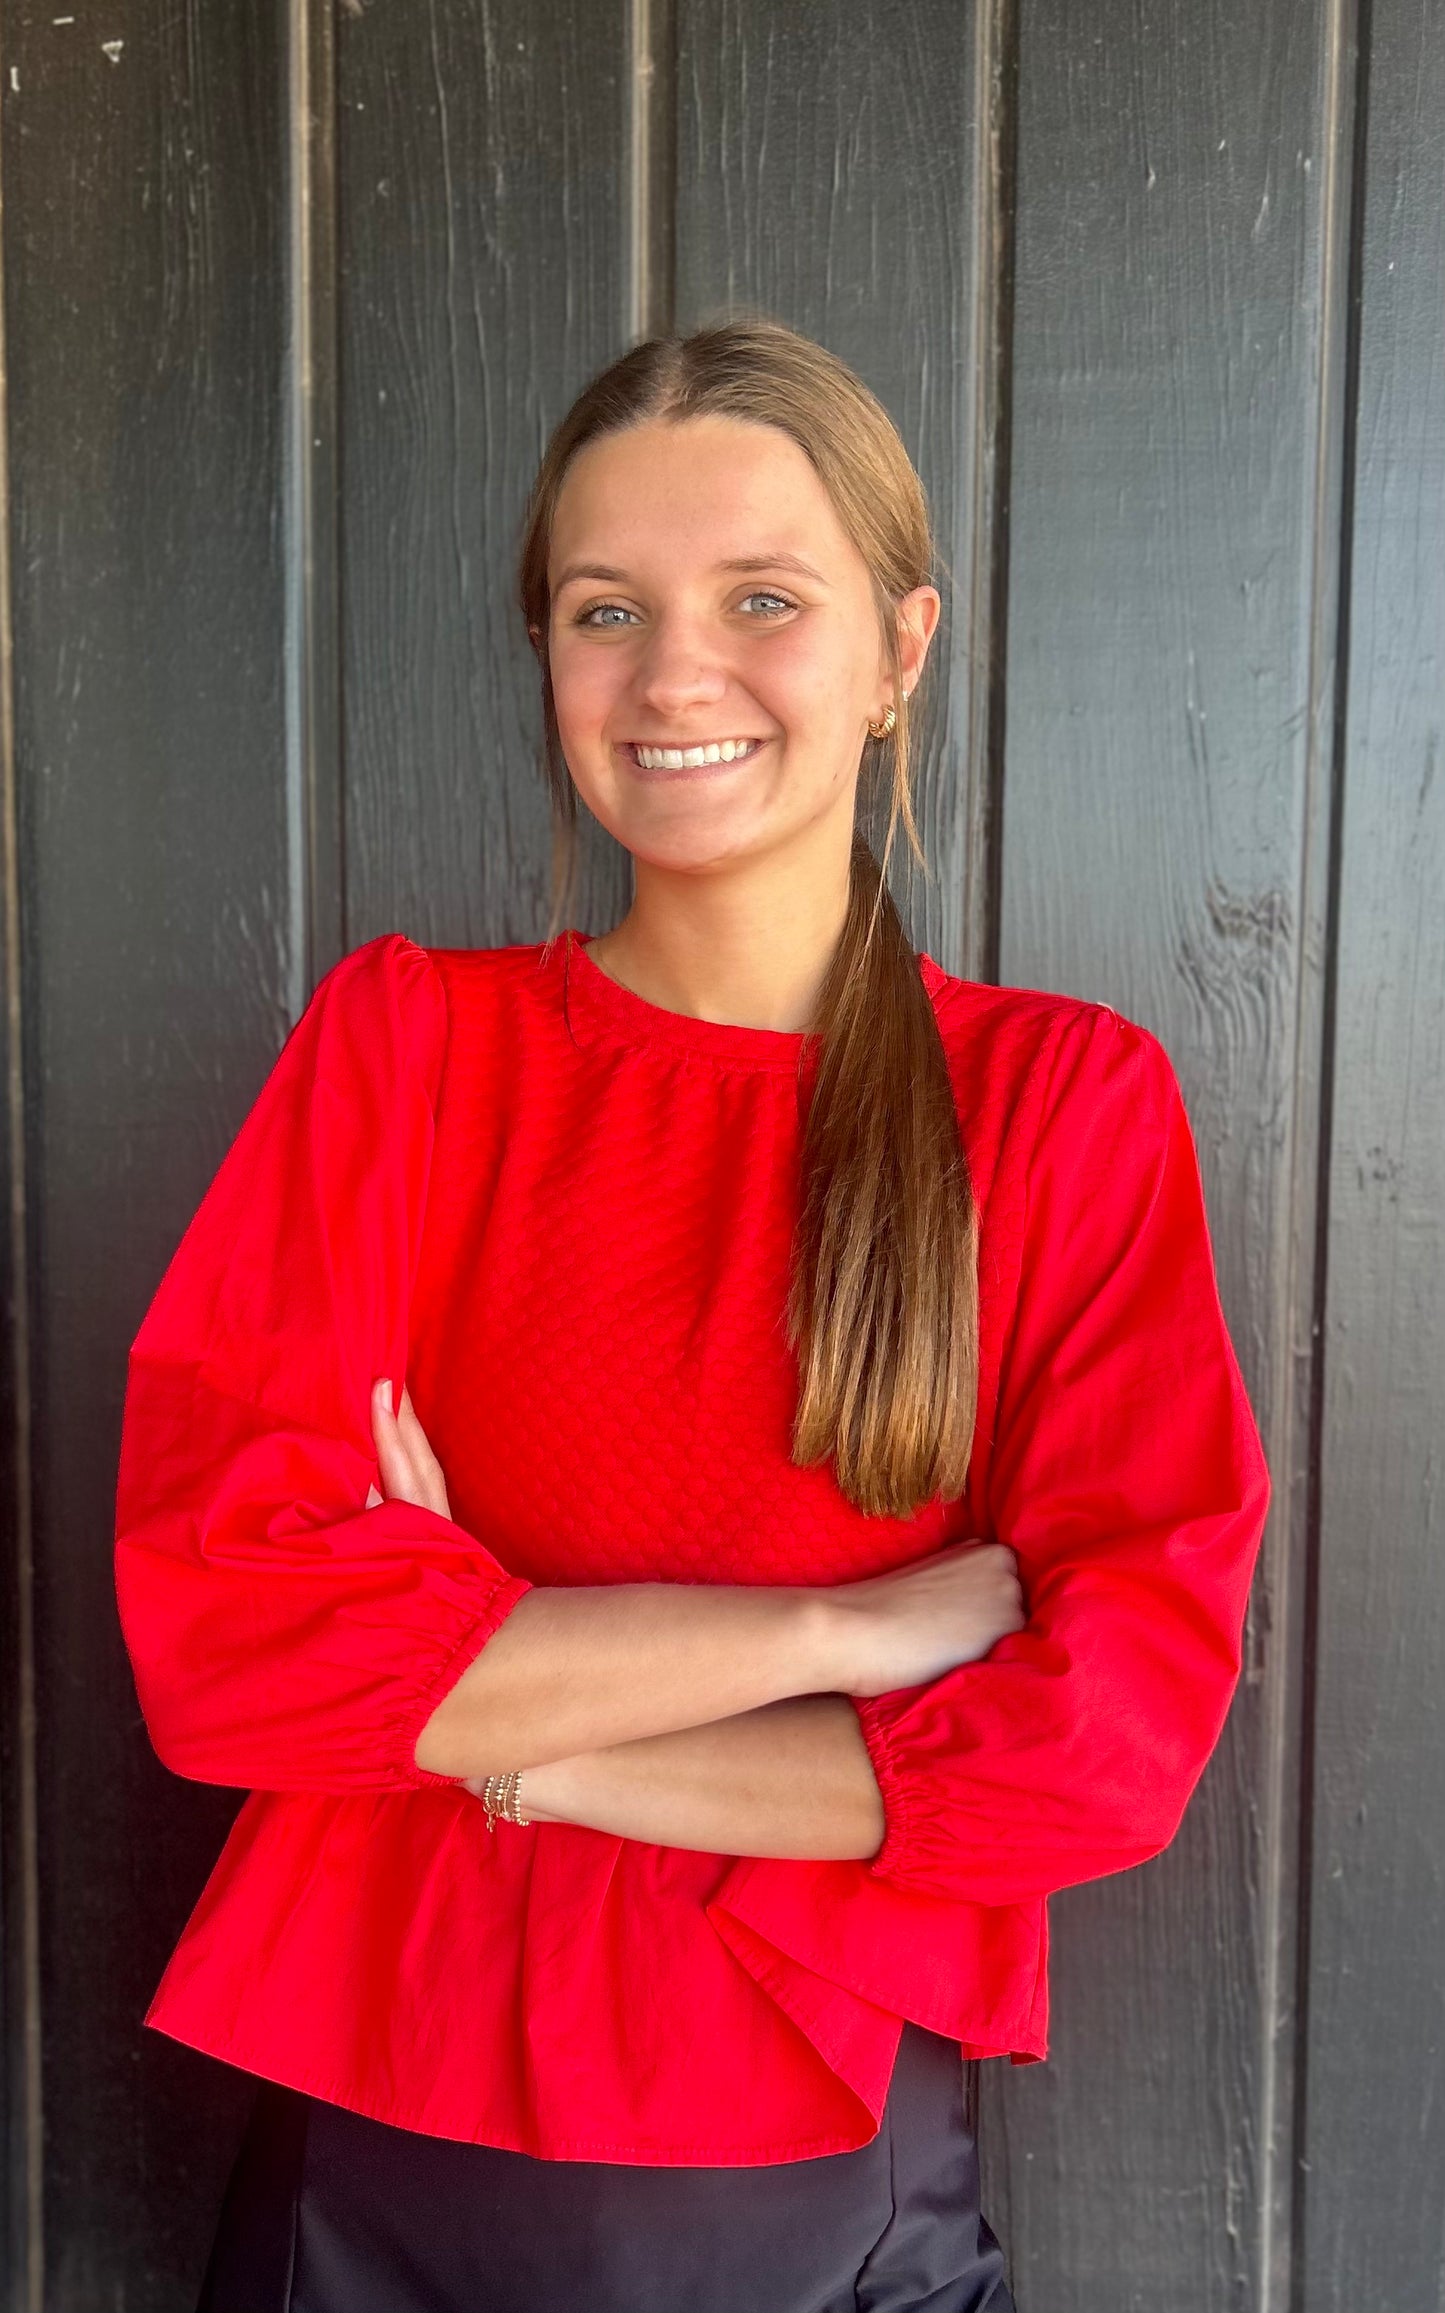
[(694, 852), (683, 858)]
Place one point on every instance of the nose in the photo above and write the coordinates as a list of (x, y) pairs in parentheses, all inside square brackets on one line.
[(678, 669)]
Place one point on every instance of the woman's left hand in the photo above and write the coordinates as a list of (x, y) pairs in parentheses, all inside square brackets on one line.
[(410, 1471)]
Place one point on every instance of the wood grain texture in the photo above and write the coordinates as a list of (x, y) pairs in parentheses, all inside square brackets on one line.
[(1162, 801), (839, 184), (143, 261), (483, 281), (1373, 2228)]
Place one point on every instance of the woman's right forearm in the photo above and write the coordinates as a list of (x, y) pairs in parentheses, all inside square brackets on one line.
[(574, 1670)]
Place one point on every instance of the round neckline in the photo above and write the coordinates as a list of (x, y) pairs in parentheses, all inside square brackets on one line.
[(600, 1007)]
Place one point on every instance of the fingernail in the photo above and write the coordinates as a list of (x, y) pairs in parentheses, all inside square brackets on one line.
[(385, 1388)]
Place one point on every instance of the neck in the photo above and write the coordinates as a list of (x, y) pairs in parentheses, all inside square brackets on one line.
[(750, 952)]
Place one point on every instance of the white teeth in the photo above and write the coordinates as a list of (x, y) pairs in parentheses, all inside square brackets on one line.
[(692, 758)]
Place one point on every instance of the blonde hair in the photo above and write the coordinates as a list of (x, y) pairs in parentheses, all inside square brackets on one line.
[(883, 1296)]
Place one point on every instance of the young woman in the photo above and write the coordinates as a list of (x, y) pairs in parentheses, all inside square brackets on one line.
[(695, 1475)]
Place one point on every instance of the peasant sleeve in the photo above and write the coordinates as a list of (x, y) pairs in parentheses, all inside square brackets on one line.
[(1127, 1474), (283, 1636)]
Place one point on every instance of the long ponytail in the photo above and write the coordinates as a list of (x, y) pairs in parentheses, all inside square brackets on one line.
[(883, 1295)]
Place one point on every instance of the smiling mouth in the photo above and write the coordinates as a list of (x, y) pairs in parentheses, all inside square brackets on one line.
[(710, 754)]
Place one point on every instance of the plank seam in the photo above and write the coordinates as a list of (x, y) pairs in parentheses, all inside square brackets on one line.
[(316, 835), (650, 235), (996, 214), (1350, 16)]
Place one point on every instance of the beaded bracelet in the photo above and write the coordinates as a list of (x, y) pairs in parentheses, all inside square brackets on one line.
[(499, 1797)]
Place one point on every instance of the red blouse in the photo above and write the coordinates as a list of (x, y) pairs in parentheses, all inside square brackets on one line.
[(564, 1215)]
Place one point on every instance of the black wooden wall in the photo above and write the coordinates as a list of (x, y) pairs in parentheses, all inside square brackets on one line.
[(290, 300)]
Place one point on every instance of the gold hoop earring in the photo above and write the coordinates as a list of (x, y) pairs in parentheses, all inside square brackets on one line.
[(882, 729)]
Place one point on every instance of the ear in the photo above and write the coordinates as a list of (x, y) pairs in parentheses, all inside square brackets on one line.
[(918, 615)]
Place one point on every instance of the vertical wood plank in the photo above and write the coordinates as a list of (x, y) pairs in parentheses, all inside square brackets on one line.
[(1373, 2227), (483, 280), (143, 161), (847, 187), (22, 2212), (1166, 805)]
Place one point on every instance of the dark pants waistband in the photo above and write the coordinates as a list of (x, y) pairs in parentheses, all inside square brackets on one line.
[(330, 2212)]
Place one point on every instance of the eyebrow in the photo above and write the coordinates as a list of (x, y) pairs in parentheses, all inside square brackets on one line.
[(778, 561)]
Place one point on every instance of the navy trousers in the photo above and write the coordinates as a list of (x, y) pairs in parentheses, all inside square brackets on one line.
[(329, 2212)]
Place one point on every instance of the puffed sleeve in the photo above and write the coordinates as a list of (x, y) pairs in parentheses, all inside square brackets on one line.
[(283, 1636), (1128, 1476)]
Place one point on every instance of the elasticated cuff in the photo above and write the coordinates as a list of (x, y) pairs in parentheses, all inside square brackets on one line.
[(497, 1604), (898, 1847)]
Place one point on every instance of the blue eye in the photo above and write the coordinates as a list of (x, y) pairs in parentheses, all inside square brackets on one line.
[(588, 616), (592, 615)]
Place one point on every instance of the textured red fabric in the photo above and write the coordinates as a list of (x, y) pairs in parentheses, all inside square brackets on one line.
[(564, 1215)]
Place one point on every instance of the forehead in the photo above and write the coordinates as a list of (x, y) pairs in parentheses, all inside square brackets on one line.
[(697, 492)]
